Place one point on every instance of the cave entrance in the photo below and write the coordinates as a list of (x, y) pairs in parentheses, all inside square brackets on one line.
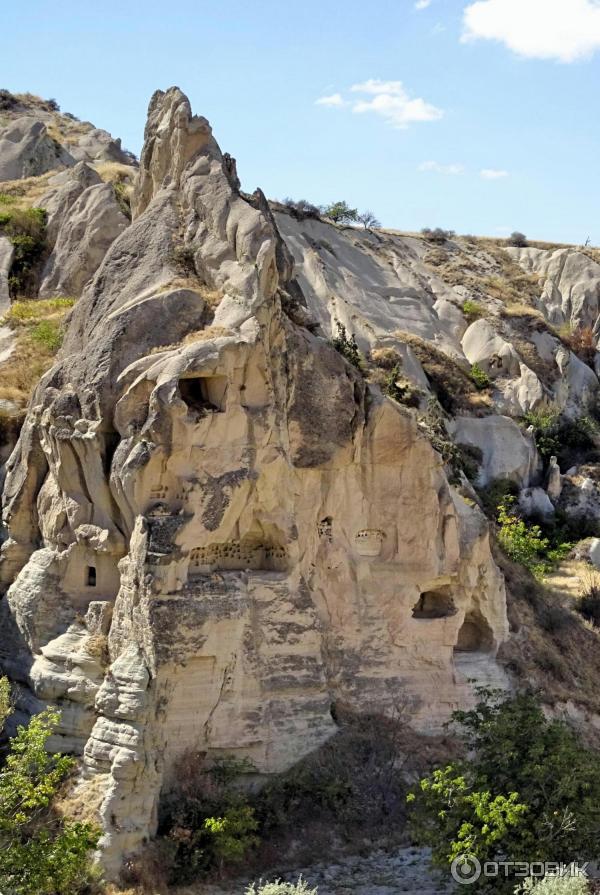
[(203, 394), (435, 604), (475, 635), (91, 577)]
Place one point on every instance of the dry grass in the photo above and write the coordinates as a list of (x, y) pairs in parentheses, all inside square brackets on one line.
[(26, 192), (519, 310), (38, 325), (115, 172), (97, 646), (198, 335), (212, 297), (81, 799)]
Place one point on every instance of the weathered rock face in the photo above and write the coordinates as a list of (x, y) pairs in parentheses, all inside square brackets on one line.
[(217, 530), (97, 145), (571, 284), (27, 150), (83, 227)]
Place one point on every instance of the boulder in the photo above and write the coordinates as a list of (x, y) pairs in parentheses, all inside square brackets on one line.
[(521, 395), (594, 552), (535, 502), (65, 189), (84, 234), (27, 150), (507, 452), (98, 145), (483, 346)]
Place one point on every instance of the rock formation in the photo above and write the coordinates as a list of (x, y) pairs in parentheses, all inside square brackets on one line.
[(217, 530)]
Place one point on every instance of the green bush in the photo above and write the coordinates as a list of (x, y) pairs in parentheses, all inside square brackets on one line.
[(48, 333), (347, 347), (563, 437), (525, 542), (26, 229), (207, 821), (280, 888), (472, 309), (401, 389), (529, 790), (40, 853), (480, 377)]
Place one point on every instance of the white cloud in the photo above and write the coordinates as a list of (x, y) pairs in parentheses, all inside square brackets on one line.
[(391, 101), (422, 4), (442, 169), (565, 30), (334, 99), (493, 173)]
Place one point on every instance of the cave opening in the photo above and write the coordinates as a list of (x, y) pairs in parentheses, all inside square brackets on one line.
[(475, 635), (435, 604), (91, 578), (203, 394)]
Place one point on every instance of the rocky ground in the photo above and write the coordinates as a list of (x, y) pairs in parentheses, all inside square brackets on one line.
[(405, 870)]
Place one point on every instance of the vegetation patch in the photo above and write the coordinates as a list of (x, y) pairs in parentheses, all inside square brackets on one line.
[(41, 853), (480, 377), (529, 787), (39, 326), (346, 346), (26, 229), (570, 440), (452, 386)]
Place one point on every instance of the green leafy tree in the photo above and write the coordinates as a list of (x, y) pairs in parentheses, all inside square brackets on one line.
[(207, 821), (530, 790), (40, 853), (233, 835), (341, 213)]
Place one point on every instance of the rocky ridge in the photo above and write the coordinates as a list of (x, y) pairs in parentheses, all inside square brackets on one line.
[(217, 528)]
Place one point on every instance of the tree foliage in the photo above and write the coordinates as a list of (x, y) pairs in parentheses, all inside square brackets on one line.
[(40, 853), (341, 213), (529, 792)]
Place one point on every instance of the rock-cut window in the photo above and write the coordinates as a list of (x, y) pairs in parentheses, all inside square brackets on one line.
[(91, 576)]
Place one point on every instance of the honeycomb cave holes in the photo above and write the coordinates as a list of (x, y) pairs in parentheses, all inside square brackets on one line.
[(475, 635), (434, 604), (203, 394)]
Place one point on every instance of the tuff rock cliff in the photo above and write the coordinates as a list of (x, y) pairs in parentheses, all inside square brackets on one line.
[(217, 529)]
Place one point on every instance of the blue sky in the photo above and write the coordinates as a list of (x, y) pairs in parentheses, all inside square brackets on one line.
[(442, 93)]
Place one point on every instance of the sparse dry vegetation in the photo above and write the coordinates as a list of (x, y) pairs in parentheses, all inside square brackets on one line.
[(453, 386), (39, 329)]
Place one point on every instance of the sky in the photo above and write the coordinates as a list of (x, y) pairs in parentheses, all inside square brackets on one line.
[(480, 117)]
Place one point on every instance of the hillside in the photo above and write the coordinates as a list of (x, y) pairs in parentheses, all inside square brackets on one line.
[(262, 471)]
